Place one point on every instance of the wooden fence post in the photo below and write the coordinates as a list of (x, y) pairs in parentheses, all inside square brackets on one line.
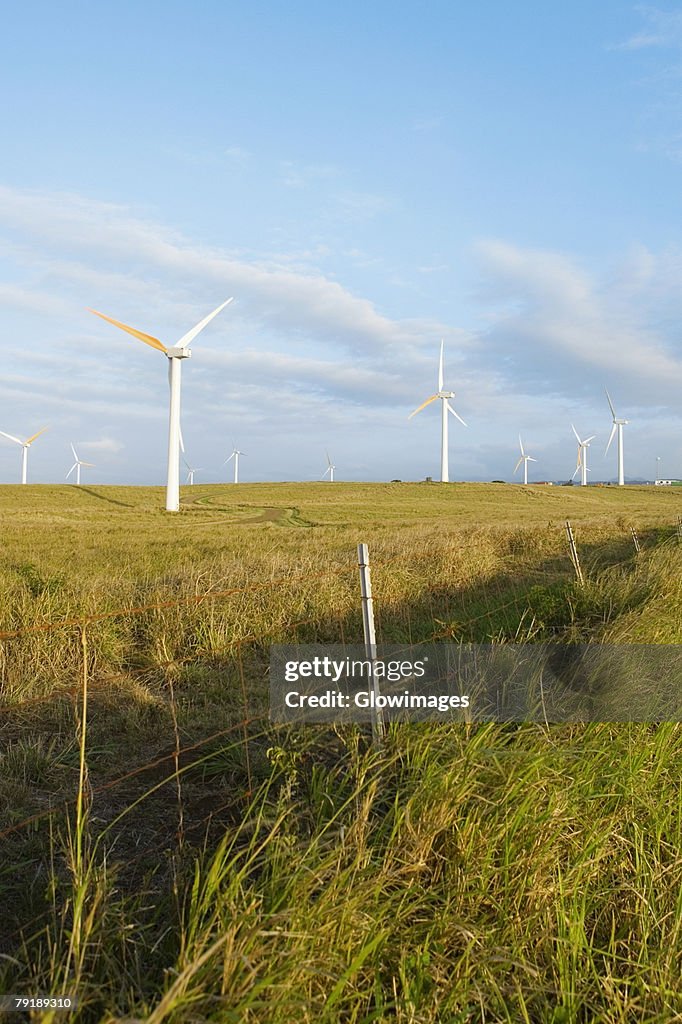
[(370, 637), (574, 553)]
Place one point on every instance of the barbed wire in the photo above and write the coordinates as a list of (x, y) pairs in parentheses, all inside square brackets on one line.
[(102, 681), (431, 554)]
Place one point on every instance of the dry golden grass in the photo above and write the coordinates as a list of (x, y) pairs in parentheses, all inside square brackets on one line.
[(459, 874)]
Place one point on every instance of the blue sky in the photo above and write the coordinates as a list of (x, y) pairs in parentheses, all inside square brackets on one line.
[(364, 179)]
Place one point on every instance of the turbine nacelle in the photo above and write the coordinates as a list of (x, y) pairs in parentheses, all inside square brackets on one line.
[(178, 353)]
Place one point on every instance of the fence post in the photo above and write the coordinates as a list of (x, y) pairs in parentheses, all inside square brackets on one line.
[(574, 553), (370, 636), (635, 540), (679, 529)]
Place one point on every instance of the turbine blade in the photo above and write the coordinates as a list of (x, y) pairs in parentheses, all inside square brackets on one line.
[(90, 464), (521, 445), (613, 434), (455, 414), (423, 406), (518, 464), (613, 411), (228, 458), (34, 436), (75, 466), (11, 437), (186, 339), (590, 438), (576, 433), (182, 443), (440, 367), (148, 339), (576, 473), (530, 458), (74, 454)]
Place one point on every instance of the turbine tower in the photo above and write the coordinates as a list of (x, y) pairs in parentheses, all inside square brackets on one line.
[(618, 425), (582, 456), (77, 466), (525, 459), (330, 469), (235, 455), (445, 397), (25, 446), (175, 355)]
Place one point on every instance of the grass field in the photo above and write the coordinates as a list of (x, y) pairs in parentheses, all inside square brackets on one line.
[(169, 855)]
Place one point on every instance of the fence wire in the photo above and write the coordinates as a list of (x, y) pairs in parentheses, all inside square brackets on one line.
[(102, 682)]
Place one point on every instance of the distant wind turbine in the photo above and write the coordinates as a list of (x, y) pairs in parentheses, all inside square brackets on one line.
[(190, 472), (175, 355), (444, 396), (618, 425), (77, 466), (582, 456), (25, 446), (235, 455), (525, 459), (330, 469)]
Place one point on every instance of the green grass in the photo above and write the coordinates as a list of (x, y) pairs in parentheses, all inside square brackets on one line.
[(181, 865)]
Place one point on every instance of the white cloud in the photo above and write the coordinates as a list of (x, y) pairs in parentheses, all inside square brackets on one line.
[(664, 29), (308, 303), (104, 444), (557, 322)]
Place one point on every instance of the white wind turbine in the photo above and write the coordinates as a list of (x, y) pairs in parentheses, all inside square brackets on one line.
[(581, 464), (191, 470), (525, 459), (618, 425), (175, 355), (77, 466), (25, 446), (444, 396), (330, 469), (235, 455)]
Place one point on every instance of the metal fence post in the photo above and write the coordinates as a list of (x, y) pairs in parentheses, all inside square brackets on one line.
[(635, 540), (370, 637), (574, 553)]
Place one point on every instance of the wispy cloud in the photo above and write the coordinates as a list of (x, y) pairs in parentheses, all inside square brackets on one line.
[(556, 322), (104, 444), (429, 123), (662, 29)]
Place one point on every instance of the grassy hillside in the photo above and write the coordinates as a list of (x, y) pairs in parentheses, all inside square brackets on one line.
[(181, 859)]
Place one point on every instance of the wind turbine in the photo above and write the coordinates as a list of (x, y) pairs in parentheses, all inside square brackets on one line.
[(235, 455), (617, 426), (582, 456), (525, 459), (175, 355), (77, 466), (25, 445), (445, 409), (191, 472), (330, 469)]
